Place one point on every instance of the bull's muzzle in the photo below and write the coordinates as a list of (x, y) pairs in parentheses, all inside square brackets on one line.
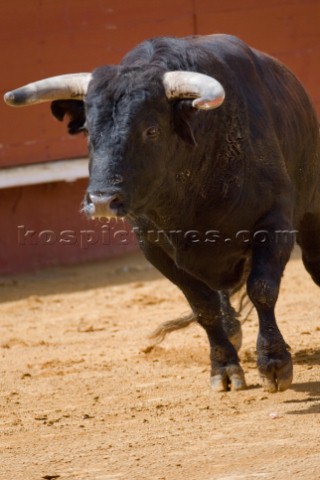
[(99, 205)]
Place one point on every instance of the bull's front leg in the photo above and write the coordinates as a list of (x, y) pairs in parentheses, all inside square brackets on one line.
[(226, 372), (268, 262), (209, 309)]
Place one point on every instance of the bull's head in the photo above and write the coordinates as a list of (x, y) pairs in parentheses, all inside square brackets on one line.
[(129, 122)]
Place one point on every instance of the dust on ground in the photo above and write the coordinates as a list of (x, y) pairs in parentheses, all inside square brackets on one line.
[(85, 395)]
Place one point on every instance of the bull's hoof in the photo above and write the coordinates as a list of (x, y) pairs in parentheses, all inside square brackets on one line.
[(228, 378), (276, 374)]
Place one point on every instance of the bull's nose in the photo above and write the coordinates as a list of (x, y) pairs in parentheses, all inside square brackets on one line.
[(99, 205)]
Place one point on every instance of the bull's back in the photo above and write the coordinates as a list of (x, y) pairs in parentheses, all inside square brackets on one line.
[(279, 112), (294, 122)]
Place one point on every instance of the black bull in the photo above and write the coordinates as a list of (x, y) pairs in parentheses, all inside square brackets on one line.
[(225, 165)]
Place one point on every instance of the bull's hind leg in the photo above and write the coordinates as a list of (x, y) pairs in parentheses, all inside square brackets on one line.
[(209, 307), (309, 241), (231, 324), (229, 318)]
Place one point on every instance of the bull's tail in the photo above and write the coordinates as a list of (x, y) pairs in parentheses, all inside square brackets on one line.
[(171, 326), (159, 334), (238, 294)]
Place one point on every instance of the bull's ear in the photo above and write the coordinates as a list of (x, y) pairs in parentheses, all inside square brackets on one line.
[(183, 121), (74, 109)]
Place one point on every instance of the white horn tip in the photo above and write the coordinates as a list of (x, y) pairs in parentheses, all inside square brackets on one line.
[(16, 98), (208, 104), (9, 98)]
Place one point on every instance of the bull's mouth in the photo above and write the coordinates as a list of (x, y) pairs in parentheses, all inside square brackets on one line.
[(99, 205)]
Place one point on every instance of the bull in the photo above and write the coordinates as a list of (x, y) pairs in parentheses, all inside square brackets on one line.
[(215, 145)]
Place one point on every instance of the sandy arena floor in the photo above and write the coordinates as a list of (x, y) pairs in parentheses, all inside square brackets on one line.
[(85, 395)]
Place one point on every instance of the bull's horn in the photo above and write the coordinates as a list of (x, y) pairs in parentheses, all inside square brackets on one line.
[(207, 91), (71, 86)]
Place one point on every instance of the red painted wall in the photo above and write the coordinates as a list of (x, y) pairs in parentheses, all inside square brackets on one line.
[(41, 226), (43, 38)]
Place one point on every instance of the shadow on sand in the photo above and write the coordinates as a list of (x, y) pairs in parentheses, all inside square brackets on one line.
[(121, 270)]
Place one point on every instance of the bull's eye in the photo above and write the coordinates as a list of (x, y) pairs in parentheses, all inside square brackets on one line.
[(151, 133)]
